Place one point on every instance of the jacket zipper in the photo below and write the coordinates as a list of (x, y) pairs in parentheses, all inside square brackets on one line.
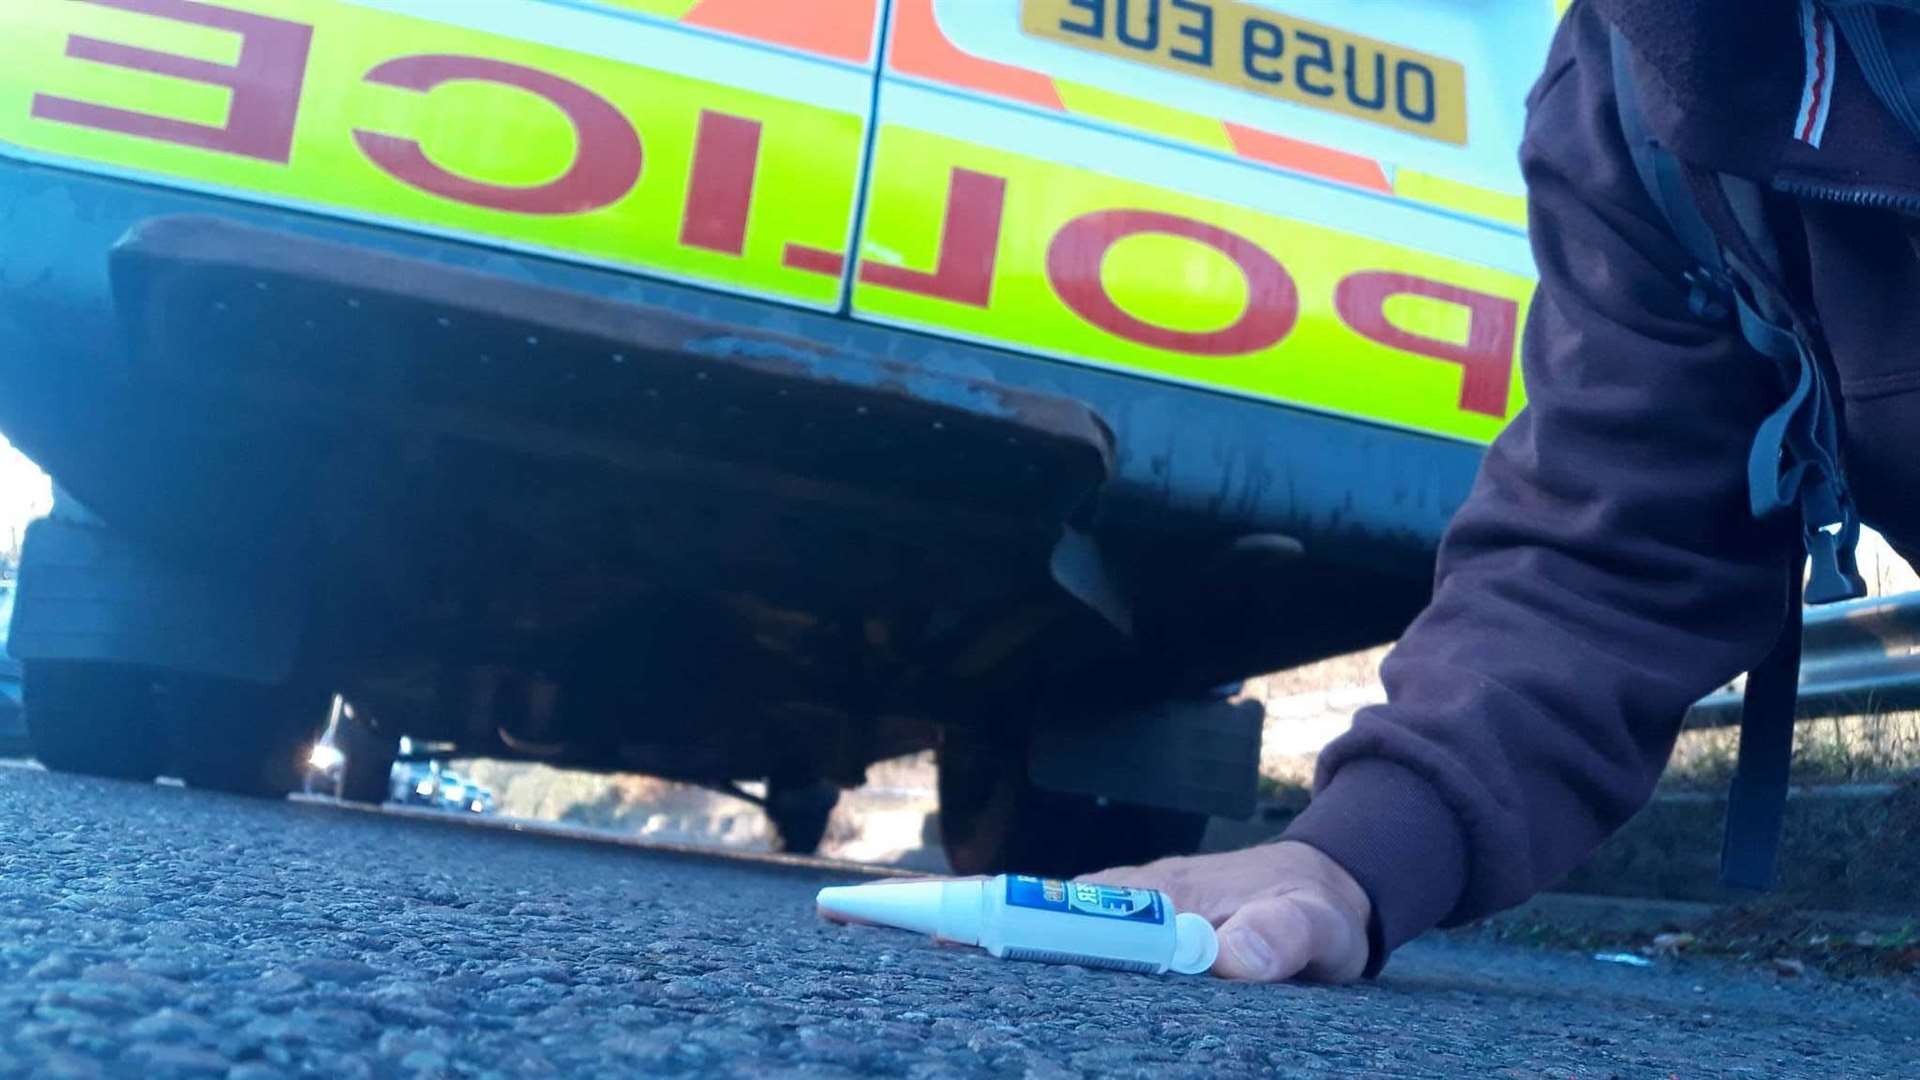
[(1871, 200)]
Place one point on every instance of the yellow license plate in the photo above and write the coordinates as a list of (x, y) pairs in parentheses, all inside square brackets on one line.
[(1261, 50)]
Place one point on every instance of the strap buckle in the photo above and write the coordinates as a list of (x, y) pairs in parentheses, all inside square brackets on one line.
[(1835, 571), (1710, 294)]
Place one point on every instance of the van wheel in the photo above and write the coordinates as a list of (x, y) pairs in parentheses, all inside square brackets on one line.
[(366, 774), (240, 737), (94, 719), (993, 820), (800, 810)]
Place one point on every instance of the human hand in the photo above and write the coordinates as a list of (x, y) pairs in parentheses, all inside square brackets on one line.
[(1284, 910)]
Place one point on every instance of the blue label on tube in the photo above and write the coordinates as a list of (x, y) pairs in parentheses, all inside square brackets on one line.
[(1076, 898)]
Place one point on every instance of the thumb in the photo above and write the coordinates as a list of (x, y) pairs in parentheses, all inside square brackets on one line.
[(1292, 935)]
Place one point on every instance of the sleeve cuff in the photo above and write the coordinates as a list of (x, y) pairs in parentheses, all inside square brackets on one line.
[(1398, 838)]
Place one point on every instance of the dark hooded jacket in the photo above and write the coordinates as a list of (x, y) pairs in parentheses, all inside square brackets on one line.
[(1606, 571)]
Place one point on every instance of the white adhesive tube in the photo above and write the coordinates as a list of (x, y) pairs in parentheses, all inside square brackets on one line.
[(1015, 917)]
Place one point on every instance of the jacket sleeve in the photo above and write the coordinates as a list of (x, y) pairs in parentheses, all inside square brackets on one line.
[(1603, 575)]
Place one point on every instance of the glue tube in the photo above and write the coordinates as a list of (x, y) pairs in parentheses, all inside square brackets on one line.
[(1014, 917)]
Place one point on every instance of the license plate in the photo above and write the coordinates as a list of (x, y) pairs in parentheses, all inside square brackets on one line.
[(1260, 50)]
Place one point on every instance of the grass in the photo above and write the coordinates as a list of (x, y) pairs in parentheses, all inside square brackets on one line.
[(1879, 747)]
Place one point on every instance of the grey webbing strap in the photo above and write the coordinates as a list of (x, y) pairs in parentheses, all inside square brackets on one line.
[(1666, 185), (1876, 56), (1748, 205), (1794, 460)]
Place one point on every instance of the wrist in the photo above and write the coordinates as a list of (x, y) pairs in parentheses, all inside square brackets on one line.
[(1342, 889), (1393, 834)]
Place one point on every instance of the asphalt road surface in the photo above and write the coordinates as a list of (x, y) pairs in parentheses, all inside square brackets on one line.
[(156, 931)]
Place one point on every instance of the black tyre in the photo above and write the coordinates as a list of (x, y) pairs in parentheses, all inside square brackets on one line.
[(993, 819), (13, 723), (95, 719), (243, 738), (366, 775), (800, 811)]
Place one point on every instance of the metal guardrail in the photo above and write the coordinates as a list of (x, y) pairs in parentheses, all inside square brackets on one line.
[(1859, 657)]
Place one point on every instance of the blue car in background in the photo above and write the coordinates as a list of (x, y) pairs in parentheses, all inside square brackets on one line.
[(432, 785)]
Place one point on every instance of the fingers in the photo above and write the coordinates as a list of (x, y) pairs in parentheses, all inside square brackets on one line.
[(1283, 912), (1166, 876), (1190, 890), (1131, 877), (1292, 935)]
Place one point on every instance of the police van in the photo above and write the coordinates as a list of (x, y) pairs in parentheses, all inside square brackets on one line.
[(740, 391)]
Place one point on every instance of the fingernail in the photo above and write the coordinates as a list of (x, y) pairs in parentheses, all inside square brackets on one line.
[(1250, 951)]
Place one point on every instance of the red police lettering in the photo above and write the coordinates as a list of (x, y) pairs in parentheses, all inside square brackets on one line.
[(263, 84), (1486, 359), (726, 157), (726, 162), (813, 260), (606, 161), (1080, 248), (969, 244)]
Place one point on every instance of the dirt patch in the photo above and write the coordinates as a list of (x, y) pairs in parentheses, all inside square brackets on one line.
[(1788, 940)]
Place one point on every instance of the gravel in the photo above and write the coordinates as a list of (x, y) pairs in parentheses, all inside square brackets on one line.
[(158, 931)]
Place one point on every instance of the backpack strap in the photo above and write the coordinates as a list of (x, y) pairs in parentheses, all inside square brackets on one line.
[(1794, 460), (1660, 174), (1795, 456), (1757, 797)]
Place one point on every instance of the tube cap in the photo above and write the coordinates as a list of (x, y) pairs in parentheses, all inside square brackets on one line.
[(1195, 945)]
